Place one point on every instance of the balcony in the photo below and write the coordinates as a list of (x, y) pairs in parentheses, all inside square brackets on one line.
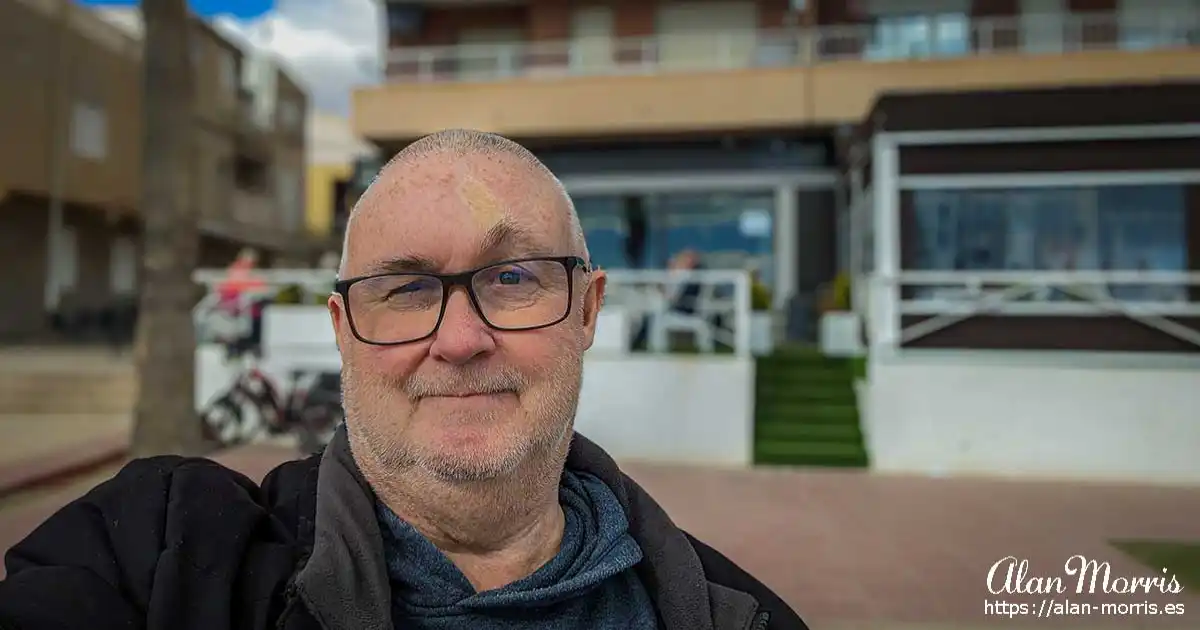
[(251, 218), (760, 79)]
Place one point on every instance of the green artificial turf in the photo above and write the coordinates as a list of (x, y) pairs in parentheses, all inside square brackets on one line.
[(1180, 558)]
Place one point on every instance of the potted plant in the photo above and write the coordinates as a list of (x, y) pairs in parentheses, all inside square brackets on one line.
[(762, 339), (839, 326)]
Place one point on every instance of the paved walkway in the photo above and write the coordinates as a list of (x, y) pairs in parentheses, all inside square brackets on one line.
[(862, 551), (34, 436)]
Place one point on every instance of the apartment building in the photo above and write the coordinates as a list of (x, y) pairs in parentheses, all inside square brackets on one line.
[(71, 168), (752, 130)]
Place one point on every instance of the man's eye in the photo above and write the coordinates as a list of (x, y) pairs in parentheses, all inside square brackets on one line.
[(410, 287), (511, 276)]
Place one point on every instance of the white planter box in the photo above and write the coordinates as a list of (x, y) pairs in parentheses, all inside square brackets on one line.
[(614, 331), (841, 335), (762, 335)]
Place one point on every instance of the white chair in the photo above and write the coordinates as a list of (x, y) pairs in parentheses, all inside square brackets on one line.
[(667, 321)]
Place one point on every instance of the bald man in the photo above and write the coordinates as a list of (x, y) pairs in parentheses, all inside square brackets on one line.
[(456, 495)]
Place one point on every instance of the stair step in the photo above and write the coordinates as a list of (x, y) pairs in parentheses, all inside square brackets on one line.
[(802, 377), (806, 392), (810, 413), (809, 454), (801, 354), (806, 410), (808, 432)]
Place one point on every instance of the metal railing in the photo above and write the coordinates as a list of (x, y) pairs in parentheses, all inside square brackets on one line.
[(732, 50), (949, 297)]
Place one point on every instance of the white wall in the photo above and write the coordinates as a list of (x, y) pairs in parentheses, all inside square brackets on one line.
[(694, 409), (1032, 418)]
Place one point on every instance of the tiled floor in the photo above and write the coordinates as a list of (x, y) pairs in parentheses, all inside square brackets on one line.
[(860, 551), (860, 547)]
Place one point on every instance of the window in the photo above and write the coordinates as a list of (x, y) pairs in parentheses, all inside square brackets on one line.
[(733, 230), (250, 175), (66, 262), (196, 43), (1152, 24), (289, 114), (230, 76), (1124, 228), (906, 36), (123, 264), (287, 183), (488, 53), (89, 131)]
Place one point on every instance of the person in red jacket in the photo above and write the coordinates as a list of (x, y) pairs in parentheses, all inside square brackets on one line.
[(243, 294)]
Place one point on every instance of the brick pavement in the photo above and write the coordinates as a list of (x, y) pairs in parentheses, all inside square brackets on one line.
[(867, 552)]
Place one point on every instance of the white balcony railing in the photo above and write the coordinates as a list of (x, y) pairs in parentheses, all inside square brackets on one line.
[(720, 313), (1154, 298), (934, 36)]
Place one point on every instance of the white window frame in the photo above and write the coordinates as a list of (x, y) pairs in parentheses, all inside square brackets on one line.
[(89, 130), (123, 266)]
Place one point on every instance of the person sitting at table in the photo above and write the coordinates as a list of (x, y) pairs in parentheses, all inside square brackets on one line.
[(685, 301)]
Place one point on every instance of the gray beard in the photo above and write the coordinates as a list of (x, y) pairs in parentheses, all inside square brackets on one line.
[(554, 419)]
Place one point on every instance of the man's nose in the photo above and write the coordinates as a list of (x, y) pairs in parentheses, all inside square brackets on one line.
[(462, 335)]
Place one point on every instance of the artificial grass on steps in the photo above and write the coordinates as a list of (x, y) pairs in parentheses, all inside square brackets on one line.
[(1179, 558), (806, 413)]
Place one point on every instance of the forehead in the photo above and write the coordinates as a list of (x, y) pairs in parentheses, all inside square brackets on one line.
[(445, 210)]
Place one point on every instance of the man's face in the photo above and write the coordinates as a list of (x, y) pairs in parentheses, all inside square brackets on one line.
[(470, 402)]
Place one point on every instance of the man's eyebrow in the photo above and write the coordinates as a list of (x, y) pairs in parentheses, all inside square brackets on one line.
[(509, 239), (404, 264), (504, 239)]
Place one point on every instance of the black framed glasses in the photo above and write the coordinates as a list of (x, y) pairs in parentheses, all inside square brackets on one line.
[(390, 309)]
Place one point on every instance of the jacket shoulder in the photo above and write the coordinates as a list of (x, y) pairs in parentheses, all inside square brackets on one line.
[(156, 533), (719, 569), (290, 493)]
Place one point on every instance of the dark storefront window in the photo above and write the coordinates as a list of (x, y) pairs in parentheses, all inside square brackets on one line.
[(730, 230), (1123, 228)]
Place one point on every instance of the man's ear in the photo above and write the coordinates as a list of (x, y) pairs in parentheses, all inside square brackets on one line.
[(593, 301), (337, 316)]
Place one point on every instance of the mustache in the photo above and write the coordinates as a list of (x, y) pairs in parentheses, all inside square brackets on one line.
[(464, 382)]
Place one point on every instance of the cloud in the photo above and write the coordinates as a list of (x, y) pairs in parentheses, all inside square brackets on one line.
[(329, 46)]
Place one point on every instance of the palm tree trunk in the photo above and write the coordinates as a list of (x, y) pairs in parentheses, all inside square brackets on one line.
[(165, 418)]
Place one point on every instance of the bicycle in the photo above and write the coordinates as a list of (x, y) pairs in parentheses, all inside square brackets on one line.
[(254, 405)]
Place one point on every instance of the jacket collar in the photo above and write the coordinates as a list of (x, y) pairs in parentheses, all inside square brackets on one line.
[(345, 582)]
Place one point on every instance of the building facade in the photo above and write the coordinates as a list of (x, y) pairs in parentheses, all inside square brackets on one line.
[(723, 125), (1010, 184), (70, 173)]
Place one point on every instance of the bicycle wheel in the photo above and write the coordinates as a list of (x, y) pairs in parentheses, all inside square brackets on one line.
[(223, 422)]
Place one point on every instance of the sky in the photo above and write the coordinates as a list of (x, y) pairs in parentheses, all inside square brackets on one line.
[(329, 46)]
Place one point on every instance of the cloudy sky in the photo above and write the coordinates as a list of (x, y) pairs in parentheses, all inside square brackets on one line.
[(329, 45)]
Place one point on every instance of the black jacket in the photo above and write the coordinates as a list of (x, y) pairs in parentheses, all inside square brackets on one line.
[(187, 544)]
